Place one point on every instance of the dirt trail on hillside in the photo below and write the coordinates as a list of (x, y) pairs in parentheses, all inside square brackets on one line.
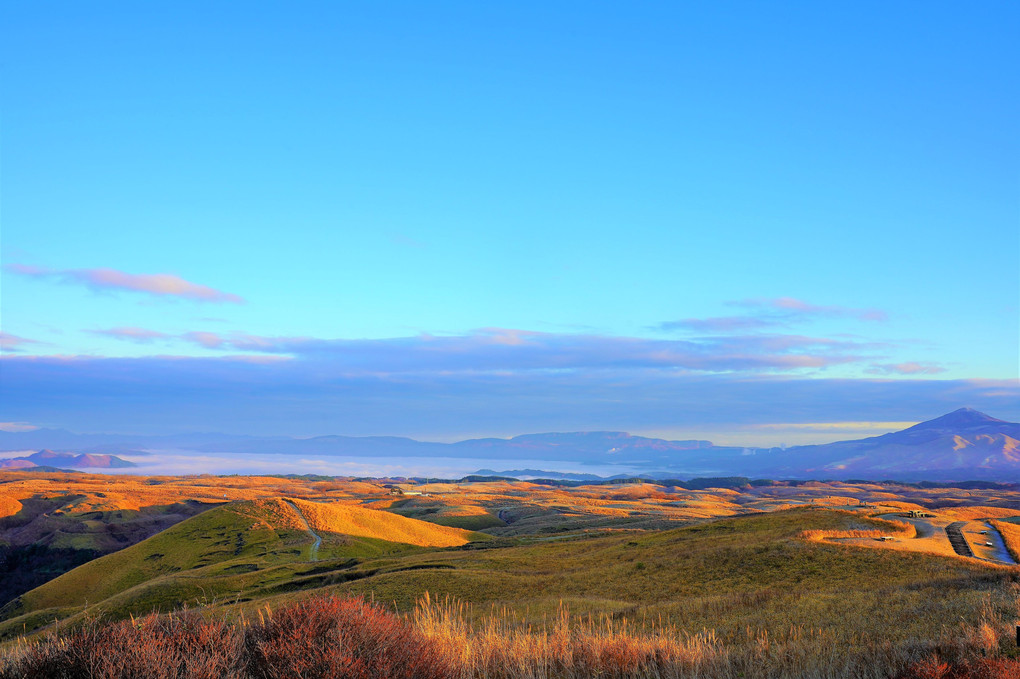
[(313, 553)]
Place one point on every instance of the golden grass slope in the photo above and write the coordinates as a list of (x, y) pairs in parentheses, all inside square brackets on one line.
[(9, 506), (888, 528), (372, 523), (977, 512)]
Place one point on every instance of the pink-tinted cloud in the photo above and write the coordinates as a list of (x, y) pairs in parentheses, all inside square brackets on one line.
[(132, 334), (9, 342), (160, 284), (209, 340), (205, 339), (14, 427), (513, 350), (906, 368)]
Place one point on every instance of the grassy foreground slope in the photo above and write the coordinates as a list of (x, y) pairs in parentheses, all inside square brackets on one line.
[(740, 577), (736, 576), (747, 581), (236, 551)]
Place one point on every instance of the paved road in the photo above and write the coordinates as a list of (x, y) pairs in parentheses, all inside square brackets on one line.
[(313, 553), (997, 551), (925, 528)]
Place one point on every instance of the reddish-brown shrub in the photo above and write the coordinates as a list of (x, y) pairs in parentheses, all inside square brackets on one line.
[(333, 637), (152, 647), (324, 638)]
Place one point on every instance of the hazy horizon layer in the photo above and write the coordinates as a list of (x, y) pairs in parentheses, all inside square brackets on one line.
[(179, 462)]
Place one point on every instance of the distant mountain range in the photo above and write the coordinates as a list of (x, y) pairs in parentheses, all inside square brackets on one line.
[(964, 444), (49, 460)]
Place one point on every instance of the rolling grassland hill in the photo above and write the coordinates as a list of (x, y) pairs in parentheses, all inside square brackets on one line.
[(755, 576), (52, 522), (752, 586), (43, 535), (239, 550)]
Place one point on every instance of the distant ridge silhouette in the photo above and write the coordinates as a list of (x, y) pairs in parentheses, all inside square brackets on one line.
[(962, 444)]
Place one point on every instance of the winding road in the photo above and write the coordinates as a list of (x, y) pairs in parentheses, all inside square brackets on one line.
[(967, 538), (313, 553), (925, 528)]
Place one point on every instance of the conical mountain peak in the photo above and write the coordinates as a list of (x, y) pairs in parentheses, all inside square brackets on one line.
[(962, 418)]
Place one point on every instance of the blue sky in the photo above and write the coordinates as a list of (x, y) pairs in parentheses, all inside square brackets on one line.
[(467, 219)]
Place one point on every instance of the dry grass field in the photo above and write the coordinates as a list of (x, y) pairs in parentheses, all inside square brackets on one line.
[(330, 637), (542, 580)]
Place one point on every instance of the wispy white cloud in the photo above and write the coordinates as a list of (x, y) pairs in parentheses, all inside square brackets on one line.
[(159, 285), (765, 314), (9, 342), (720, 324), (132, 334), (15, 427), (209, 340), (793, 307), (905, 368)]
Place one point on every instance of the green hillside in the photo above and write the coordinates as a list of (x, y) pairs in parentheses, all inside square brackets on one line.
[(728, 575), (233, 552), (724, 574)]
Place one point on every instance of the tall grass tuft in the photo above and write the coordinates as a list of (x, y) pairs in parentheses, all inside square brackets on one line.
[(498, 646)]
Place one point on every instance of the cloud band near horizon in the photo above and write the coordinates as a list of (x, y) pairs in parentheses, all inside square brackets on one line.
[(165, 394), (501, 349)]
